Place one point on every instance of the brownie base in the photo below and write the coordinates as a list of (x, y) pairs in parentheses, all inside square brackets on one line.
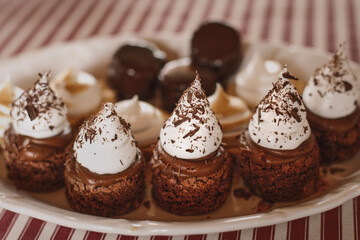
[(188, 196), (105, 200), (34, 175), (337, 147), (287, 181)]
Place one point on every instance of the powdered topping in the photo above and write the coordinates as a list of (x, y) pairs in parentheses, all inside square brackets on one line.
[(146, 120), (255, 80), (104, 144), (39, 113), (279, 121), (192, 131), (332, 91), (79, 90), (8, 93), (231, 111)]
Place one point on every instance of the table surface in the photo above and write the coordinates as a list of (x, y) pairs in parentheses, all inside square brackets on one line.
[(323, 24)]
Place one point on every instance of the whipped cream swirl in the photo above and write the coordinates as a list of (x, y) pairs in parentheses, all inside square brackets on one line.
[(279, 121), (8, 93), (253, 82), (145, 119), (39, 113), (232, 111), (104, 144), (192, 131), (332, 91), (79, 90)]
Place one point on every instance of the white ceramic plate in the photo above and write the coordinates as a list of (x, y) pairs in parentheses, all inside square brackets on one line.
[(94, 55)]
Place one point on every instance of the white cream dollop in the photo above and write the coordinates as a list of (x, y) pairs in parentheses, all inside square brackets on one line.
[(104, 144), (332, 91), (192, 131), (39, 113), (256, 79), (145, 119), (232, 111), (279, 121), (80, 91), (8, 93)]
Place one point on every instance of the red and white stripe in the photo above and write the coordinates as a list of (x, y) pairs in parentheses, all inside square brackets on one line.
[(323, 24)]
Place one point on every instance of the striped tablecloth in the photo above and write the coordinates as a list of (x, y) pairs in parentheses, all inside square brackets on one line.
[(322, 24)]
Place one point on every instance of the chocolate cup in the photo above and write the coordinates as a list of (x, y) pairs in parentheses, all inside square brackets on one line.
[(216, 46), (275, 176), (177, 75), (134, 70), (339, 139)]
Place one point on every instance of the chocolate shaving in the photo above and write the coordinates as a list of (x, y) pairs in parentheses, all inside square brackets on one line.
[(192, 132), (32, 111), (189, 150), (347, 86), (289, 76), (295, 115)]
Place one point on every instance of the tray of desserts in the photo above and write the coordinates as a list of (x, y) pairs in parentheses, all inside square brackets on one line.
[(166, 134)]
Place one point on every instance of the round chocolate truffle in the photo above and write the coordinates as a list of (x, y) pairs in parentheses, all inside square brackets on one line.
[(134, 70), (216, 46)]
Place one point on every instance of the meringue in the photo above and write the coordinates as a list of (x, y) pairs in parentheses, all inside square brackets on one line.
[(232, 112), (192, 131), (332, 91), (253, 82), (80, 91), (279, 121), (8, 93), (105, 144), (39, 113), (145, 120)]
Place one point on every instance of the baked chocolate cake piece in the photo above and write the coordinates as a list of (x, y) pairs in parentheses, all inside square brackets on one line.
[(331, 98), (104, 175), (278, 156), (192, 172), (35, 145), (134, 69)]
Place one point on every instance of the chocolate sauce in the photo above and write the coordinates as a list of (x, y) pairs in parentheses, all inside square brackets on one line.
[(273, 156), (339, 125), (79, 173), (133, 70), (179, 78), (36, 149), (186, 167), (216, 46)]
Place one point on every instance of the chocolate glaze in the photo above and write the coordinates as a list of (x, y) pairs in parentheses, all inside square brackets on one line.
[(216, 46), (272, 156), (174, 82), (133, 70), (82, 174), (34, 149), (188, 168), (338, 125)]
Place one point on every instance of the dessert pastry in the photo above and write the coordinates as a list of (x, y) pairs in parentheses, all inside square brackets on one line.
[(177, 75), (104, 174), (330, 97), (81, 92), (233, 115), (8, 93), (134, 69), (279, 156), (192, 172), (254, 81), (145, 120), (216, 46), (35, 143)]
